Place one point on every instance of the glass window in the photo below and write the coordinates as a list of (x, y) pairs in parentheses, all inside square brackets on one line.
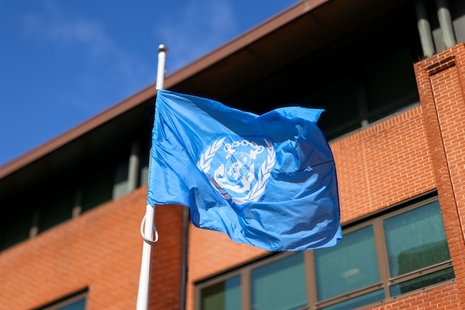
[(77, 305), (57, 209), (77, 302), (390, 85), (121, 186), (144, 167), (225, 295), (280, 284), (380, 258), (98, 189), (423, 281), (350, 265), (339, 99), (358, 301), (416, 239), (15, 228)]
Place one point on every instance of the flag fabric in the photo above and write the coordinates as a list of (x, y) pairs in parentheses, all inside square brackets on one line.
[(265, 180)]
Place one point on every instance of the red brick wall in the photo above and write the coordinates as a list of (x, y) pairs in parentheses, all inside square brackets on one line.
[(440, 297), (399, 158), (441, 83), (382, 165), (404, 156), (100, 250), (165, 283)]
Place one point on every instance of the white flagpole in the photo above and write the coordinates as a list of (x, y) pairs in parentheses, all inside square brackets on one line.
[(149, 228)]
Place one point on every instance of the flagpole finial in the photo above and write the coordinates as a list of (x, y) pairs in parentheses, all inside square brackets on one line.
[(162, 48)]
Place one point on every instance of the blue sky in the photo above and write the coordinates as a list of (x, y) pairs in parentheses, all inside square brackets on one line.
[(62, 62)]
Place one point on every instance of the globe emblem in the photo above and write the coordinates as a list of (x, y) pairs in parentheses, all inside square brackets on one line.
[(238, 167)]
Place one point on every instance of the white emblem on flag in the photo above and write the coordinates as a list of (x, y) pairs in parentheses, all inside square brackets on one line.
[(239, 170)]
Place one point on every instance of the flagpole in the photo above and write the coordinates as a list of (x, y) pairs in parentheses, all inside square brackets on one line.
[(149, 233)]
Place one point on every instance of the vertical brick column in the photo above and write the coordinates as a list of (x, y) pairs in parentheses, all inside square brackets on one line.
[(441, 81), (167, 259)]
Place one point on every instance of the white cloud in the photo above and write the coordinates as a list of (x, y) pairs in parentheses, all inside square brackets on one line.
[(108, 67), (104, 65), (51, 23)]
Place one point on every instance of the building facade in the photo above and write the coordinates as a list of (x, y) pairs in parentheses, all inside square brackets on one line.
[(391, 77)]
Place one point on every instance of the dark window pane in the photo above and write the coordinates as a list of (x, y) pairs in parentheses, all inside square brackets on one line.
[(121, 180), (358, 301), (15, 228), (280, 285), (457, 10), (224, 295), (350, 265), (390, 85), (429, 279), (77, 305), (339, 100), (416, 239), (57, 209), (98, 189), (73, 303)]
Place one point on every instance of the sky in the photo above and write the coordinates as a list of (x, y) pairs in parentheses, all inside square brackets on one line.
[(62, 62)]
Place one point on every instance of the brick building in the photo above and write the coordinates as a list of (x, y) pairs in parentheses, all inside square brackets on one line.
[(391, 76)]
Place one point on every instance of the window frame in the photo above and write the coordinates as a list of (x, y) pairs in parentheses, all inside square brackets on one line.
[(57, 305), (385, 283)]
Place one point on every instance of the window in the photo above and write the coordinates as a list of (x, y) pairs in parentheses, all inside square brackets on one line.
[(98, 188), (366, 95), (75, 302), (107, 183), (223, 295), (335, 276), (407, 255), (279, 284), (15, 228), (340, 101), (57, 209), (390, 85), (57, 200), (389, 255)]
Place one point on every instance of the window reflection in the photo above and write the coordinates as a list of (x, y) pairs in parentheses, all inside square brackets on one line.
[(383, 257), (416, 239), (280, 285), (350, 265), (225, 295)]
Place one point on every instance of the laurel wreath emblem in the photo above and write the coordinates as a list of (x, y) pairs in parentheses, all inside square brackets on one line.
[(264, 172)]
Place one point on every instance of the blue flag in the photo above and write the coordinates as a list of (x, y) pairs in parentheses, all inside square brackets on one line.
[(266, 180)]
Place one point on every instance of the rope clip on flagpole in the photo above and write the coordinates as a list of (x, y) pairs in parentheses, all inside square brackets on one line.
[(148, 239)]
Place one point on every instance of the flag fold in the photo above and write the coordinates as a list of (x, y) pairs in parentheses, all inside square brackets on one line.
[(265, 180)]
